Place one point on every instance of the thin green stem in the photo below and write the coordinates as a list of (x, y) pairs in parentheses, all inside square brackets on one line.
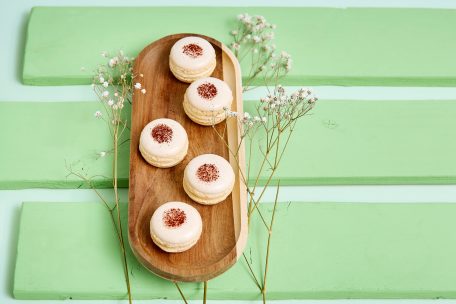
[(181, 293), (252, 273), (268, 248), (119, 220), (205, 292)]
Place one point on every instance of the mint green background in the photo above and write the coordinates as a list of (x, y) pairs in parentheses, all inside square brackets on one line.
[(354, 46), (333, 251), (13, 16)]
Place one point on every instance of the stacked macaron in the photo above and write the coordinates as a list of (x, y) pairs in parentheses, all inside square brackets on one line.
[(163, 143), (206, 100), (175, 226), (208, 178), (192, 58)]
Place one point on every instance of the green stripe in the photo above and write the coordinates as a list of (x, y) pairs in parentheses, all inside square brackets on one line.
[(341, 142), (319, 251), (330, 46)]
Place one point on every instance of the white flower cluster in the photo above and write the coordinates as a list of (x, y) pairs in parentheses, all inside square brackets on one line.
[(250, 121), (254, 30), (289, 107), (246, 120), (254, 36), (114, 81)]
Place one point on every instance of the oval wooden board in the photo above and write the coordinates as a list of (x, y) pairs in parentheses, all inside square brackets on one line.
[(225, 224)]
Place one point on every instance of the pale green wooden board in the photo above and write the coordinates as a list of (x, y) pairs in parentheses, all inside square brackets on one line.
[(337, 250), (342, 142), (353, 46)]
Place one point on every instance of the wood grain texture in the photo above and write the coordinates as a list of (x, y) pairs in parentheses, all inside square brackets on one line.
[(224, 225)]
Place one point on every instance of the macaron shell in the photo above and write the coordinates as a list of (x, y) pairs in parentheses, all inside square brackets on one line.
[(203, 198), (189, 76), (163, 162), (205, 118)]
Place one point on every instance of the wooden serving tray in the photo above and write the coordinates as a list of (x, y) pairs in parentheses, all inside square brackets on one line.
[(225, 224)]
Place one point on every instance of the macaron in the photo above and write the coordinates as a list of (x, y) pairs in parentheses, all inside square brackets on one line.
[(163, 143), (206, 100), (175, 226), (208, 179), (192, 58)]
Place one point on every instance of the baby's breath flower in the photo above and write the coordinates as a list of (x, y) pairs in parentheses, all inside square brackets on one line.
[(113, 61), (110, 102), (102, 153), (234, 33), (104, 54), (101, 79), (137, 86), (143, 91), (285, 55), (98, 114), (105, 84), (105, 94)]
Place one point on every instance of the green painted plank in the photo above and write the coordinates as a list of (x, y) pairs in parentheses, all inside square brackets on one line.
[(319, 251), (45, 138), (331, 46), (342, 142)]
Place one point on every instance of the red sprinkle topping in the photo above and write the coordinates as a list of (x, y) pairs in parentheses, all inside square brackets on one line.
[(162, 133), (207, 90), (174, 217), (192, 50), (208, 173)]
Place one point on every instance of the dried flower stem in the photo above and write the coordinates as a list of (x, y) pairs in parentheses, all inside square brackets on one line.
[(268, 247), (205, 292), (276, 116), (181, 293)]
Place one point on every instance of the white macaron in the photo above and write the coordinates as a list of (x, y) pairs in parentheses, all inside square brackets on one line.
[(175, 226), (206, 101), (208, 179), (192, 58), (163, 143)]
